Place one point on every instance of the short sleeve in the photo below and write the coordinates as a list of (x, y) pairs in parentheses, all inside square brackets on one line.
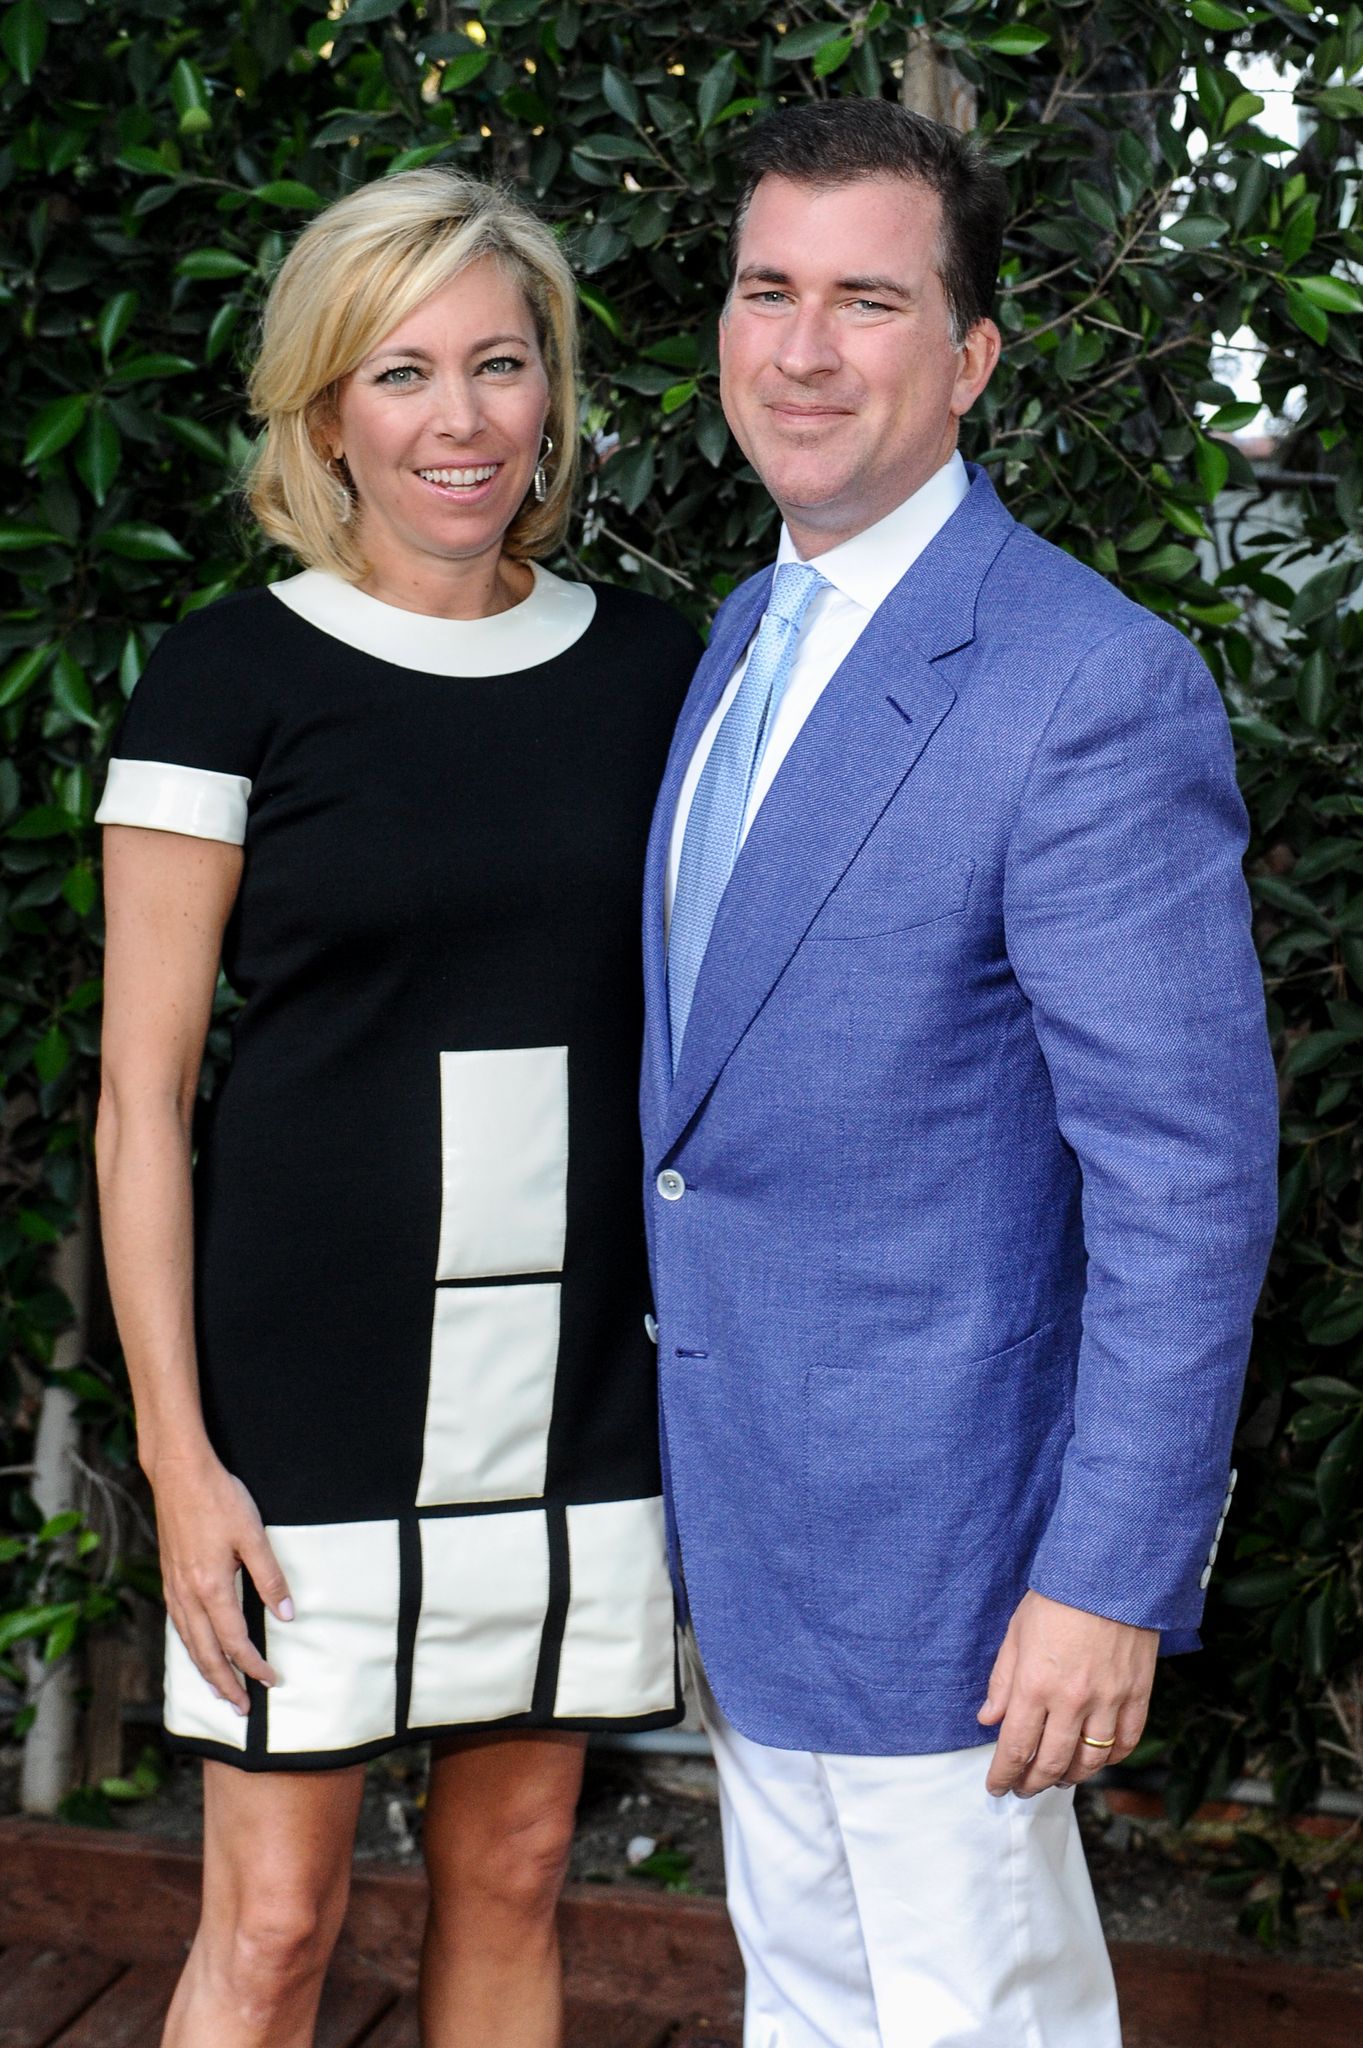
[(190, 745)]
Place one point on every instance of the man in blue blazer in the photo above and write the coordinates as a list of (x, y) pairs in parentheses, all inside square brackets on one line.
[(960, 1134)]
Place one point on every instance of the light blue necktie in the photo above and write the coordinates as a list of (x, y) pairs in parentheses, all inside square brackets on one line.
[(714, 826)]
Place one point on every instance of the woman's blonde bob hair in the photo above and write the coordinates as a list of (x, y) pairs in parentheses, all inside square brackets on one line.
[(355, 272)]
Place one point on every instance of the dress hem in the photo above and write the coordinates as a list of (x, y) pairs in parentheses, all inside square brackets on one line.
[(367, 1752)]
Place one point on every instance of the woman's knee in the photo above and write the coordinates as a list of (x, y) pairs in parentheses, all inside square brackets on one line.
[(515, 1861), (277, 1944)]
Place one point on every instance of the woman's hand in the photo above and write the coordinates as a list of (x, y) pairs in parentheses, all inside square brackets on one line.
[(209, 1528)]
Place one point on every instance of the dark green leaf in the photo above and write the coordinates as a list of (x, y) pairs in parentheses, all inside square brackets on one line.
[(464, 69), (288, 192), (55, 425), (832, 56), (806, 42), (1337, 1471), (361, 12), (1017, 41), (1332, 294), (210, 263), (140, 541), (98, 452), (1196, 230), (23, 36)]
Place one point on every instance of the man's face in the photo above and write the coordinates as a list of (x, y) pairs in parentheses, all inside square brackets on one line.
[(837, 370)]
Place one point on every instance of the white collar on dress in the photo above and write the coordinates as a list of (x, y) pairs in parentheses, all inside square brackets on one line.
[(867, 567), (540, 627)]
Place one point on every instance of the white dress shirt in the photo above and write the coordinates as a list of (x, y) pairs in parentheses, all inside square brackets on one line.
[(859, 575)]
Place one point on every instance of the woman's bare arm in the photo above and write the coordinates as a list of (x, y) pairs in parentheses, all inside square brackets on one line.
[(167, 900)]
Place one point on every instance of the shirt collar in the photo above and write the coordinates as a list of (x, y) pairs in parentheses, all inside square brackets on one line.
[(867, 567)]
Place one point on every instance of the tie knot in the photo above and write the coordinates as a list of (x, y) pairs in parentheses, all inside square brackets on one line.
[(792, 587)]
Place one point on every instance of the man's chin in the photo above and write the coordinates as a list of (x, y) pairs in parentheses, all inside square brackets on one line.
[(808, 487)]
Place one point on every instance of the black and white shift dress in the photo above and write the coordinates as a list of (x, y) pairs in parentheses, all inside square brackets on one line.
[(421, 1288)]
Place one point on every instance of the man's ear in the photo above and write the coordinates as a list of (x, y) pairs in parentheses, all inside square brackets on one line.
[(979, 358)]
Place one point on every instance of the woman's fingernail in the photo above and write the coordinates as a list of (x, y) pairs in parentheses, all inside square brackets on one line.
[(214, 1690), (241, 1711), (285, 1610)]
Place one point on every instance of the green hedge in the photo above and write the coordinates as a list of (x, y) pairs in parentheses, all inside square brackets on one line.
[(162, 151)]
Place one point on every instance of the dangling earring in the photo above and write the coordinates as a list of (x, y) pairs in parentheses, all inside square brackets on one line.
[(541, 484), (338, 467)]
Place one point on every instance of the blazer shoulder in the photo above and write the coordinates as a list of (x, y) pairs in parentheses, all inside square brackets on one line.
[(1038, 600)]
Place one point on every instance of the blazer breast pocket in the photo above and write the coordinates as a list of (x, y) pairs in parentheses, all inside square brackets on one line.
[(877, 898)]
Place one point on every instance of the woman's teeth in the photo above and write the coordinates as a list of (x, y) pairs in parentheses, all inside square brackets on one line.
[(459, 478)]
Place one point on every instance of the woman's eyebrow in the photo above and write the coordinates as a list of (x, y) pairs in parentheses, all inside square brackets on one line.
[(475, 348)]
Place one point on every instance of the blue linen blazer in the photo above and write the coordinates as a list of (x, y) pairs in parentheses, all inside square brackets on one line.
[(975, 1121)]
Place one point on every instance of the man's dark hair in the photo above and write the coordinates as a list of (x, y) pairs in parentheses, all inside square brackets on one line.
[(835, 142)]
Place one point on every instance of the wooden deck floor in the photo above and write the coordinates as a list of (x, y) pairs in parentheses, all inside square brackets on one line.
[(50, 1998), (94, 1929)]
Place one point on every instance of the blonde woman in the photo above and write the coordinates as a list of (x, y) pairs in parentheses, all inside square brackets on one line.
[(394, 1386)]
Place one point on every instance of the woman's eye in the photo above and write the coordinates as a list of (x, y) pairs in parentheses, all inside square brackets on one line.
[(400, 376), (503, 365)]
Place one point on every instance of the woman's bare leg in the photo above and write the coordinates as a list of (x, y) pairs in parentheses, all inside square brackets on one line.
[(277, 1850), (498, 1828)]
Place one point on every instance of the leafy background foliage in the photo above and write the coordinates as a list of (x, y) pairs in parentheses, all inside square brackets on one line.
[(160, 153)]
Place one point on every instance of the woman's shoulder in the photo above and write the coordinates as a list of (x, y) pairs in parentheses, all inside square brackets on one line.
[(636, 622), (232, 621)]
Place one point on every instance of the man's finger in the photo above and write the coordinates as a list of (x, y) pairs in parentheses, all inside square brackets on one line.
[(1054, 1757), (1019, 1738), (1130, 1728), (1088, 1756), (1000, 1683)]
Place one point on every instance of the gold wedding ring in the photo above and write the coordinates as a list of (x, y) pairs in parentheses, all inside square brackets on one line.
[(1094, 1743)]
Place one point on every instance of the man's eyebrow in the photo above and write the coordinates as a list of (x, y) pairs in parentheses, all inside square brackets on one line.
[(890, 285), (761, 273)]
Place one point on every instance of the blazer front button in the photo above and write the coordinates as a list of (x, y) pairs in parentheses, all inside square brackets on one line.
[(671, 1186), (651, 1329), (1206, 1578)]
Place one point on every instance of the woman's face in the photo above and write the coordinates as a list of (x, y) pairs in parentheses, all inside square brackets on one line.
[(442, 422)]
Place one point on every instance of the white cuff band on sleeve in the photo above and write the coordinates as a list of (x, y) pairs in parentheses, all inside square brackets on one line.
[(168, 797)]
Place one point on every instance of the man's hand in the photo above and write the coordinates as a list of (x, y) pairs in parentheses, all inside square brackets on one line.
[(1062, 1674)]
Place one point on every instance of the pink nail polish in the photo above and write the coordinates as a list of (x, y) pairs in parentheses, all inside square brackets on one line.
[(214, 1690), (242, 1712), (286, 1610)]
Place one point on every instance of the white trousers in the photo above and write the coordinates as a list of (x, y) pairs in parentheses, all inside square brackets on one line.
[(890, 1902)]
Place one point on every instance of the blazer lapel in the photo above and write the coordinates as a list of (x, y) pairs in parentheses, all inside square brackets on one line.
[(731, 634), (861, 740)]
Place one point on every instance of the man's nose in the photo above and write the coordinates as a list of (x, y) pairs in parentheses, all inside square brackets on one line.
[(807, 345)]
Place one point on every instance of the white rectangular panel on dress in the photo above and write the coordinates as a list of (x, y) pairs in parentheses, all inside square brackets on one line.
[(485, 1592), (337, 1660), (190, 1708), (490, 1400), (618, 1645), (504, 1162)]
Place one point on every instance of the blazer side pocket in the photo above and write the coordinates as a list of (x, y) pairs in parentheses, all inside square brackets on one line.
[(874, 901)]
